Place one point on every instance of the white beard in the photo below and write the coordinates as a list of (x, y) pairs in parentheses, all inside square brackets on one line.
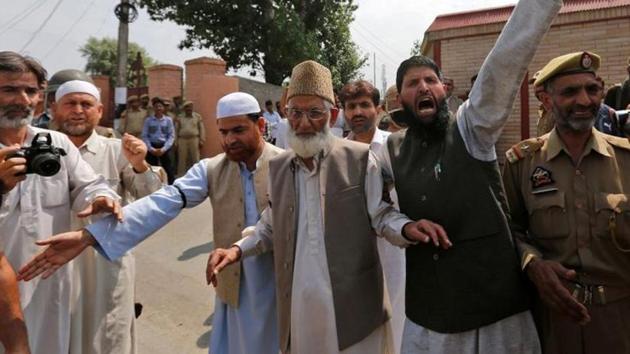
[(311, 146)]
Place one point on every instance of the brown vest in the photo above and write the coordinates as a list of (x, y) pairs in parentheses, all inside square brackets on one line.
[(355, 271), (226, 195)]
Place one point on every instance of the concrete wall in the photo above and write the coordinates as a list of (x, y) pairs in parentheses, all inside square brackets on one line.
[(262, 91), (462, 57)]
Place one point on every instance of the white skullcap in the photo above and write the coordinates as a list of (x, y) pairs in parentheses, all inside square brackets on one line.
[(75, 86), (237, 104)]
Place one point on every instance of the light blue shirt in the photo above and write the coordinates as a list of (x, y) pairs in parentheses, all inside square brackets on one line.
[(249, 195), (145, 216), (158, 131)]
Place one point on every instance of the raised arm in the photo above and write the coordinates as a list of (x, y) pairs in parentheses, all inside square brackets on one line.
[(481, 118)]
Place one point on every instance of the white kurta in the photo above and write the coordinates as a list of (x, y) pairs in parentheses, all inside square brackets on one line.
[(392, 259), (38, 208), (102, 319), (313, 322)]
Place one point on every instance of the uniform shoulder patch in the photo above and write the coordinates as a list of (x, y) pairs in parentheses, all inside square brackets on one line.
[(524, 148), (619, 142)]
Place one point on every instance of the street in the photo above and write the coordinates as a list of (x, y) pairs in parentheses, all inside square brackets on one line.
[(170, 284)]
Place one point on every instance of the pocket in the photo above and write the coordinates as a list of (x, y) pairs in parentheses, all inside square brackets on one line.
[(548, 216), (55, 192), (152, 129), (612, 214)]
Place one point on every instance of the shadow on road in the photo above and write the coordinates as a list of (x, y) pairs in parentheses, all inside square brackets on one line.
[(193, 252), (204, 339)]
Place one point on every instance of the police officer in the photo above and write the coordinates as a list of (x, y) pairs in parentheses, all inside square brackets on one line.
[(570, 215), (191, 136), (132, 119)]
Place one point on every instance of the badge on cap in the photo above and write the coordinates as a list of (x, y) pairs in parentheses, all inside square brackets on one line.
[(540, 178), (586, 61)]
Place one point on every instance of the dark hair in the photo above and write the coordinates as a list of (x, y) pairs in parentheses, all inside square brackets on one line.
[(358, 89), (414, 62), (15, 63), (254, 117), (268, 103)]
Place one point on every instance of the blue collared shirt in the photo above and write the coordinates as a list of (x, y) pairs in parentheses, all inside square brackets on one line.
[(249, 195), (158, 132)]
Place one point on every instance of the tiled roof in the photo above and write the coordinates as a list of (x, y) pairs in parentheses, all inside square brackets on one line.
[(501, 14)]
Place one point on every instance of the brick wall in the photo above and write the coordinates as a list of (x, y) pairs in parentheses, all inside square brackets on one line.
[(165, 80), (462, 57), (107, 98)]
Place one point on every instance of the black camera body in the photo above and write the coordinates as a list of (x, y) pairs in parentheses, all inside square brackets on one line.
[(42, 157)]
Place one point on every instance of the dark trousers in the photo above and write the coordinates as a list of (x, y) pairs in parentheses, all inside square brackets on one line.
[(165, 162)]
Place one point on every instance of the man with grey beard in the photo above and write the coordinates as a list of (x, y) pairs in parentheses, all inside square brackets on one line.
[(103, 316), (325, 198), (33, 206), (568, 195), (471, 298)]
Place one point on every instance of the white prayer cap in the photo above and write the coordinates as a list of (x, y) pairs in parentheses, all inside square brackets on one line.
[(237, 104), (75, 86)]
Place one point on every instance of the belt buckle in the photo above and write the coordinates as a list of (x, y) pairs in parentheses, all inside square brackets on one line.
[(588, 295)]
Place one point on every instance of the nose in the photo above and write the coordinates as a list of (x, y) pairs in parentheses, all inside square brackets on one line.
[(583, 98), (24, 98), (302, 125)]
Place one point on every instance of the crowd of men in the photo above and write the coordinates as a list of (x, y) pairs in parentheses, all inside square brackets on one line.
[(401, 236)]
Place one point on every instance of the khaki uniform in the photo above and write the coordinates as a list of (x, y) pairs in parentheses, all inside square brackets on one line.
[(190, 134), (578, 215), (132, 122)]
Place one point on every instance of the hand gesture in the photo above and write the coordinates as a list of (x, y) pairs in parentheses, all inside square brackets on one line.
[(157, 152), (11, 169), (61, 249), (547, 276), (426, 231), (219, 259), (135, 150), (100, 205)]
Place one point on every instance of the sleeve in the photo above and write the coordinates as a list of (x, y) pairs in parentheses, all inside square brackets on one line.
[(138, 184), (386, 220), (170, 137), (202, 131), (518, 217), (85, 185), (258, 239), (481, 118), (145, 133), (146, 216)]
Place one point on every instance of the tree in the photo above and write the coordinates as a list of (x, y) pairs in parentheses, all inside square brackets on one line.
[(101, 57), (417, 48), (270, 35)]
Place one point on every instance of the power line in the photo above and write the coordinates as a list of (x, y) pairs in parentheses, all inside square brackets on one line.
[(377, 48), (377, 38), (42, 25), (69, 29), (19, 17)]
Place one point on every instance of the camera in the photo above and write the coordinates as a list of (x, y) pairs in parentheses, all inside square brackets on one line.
[(42, 157)]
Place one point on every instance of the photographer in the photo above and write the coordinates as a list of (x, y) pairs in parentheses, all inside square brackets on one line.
[(34, 206)]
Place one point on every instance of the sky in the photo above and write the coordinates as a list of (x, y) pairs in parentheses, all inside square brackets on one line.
[(53, 30)]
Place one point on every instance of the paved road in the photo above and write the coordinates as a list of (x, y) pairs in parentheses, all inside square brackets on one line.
[(170, 283)]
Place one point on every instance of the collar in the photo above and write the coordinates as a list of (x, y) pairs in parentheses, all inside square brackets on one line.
[(554, 145), (91, 144)]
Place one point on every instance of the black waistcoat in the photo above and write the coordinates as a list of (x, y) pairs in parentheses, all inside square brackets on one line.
[(478, 281)]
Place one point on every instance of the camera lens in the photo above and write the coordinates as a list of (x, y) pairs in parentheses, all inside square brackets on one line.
[(46, 164)]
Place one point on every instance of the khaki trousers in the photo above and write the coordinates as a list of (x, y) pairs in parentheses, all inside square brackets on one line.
[(607, 332), (187, 154)]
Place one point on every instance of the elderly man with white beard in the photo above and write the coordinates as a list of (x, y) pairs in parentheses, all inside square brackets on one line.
[(325, 198)]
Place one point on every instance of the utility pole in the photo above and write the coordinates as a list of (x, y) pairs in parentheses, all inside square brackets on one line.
[(383, 80), (123, 43), (374, 82)]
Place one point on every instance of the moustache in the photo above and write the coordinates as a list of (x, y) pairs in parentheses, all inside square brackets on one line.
[(25, 110)]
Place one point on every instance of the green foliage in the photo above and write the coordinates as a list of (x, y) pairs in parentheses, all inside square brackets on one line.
[(101, 55), (416, 49), (268, 35)]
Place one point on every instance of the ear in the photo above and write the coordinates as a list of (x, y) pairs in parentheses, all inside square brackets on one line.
[(99, 108), (260, 123), (546, 100), (334, 112)]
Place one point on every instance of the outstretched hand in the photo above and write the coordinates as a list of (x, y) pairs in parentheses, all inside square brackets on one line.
[(219, 259), (61, 249)]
